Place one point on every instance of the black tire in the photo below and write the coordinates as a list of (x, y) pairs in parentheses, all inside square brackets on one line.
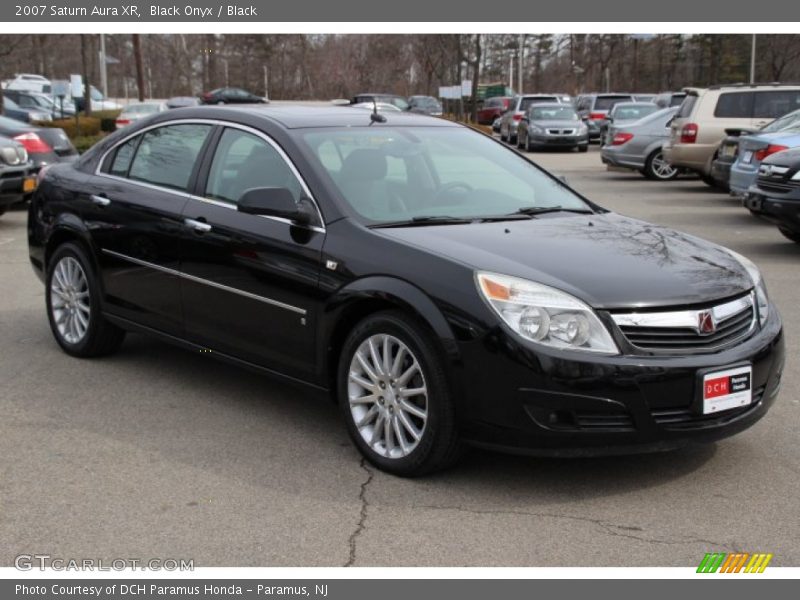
[(503, 138), (3, 210), (519, 141), (650, 169), (439, 445), (528, 145), (512, 139), (790, 235), (583, 148), (101, 337)]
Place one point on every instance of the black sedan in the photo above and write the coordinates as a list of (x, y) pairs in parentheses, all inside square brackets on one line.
[(776, 194), (231, 95), (45, 145), (444, 289), (15, 173)]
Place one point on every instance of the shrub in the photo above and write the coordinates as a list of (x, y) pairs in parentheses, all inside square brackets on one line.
[(84, 142), (89, 126)]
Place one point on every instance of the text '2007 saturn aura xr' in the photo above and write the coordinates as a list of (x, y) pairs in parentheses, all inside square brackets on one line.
[(443, 288)]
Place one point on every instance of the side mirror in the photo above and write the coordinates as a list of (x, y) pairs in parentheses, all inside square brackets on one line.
[(609, 118), (585, 118), (274, 202)]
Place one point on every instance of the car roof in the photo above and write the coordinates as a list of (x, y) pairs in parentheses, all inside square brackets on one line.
[(298, 117), (550, 105)]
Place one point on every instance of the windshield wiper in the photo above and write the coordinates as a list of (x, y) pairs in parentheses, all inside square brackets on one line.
[(540, 210), (421, 221)]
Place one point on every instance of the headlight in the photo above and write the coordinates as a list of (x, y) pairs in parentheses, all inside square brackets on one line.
[(762, 299), (14, 155), (796, 176), (545, 315), (582, 128), (536, 129)]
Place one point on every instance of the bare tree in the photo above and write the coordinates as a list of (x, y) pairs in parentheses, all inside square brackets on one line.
[(137, 57), (87, 91)]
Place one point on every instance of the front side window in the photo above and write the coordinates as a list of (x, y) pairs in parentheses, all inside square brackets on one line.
[(244, 161), (166, 155), (392, 174)]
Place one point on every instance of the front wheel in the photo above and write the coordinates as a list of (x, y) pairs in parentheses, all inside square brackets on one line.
[(395, 398), (72, 295), (583, 148), (658, 168)]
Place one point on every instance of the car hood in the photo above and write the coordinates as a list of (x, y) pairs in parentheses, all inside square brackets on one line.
[(607, 260), (560, 123)]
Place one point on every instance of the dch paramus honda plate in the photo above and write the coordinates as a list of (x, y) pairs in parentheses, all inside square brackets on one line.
[(443, 288)]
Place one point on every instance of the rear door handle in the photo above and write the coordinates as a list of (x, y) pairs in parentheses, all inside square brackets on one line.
[(199, 226), (101, 200)]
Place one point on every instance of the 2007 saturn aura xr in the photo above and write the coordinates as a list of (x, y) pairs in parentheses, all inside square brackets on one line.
[(445, 289)]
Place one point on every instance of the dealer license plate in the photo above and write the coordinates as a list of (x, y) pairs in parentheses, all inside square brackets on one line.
[(748, 156), (723, 390), (28, 184)]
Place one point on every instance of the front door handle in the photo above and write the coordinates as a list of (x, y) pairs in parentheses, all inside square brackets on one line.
[(101, 200), (199, 226)]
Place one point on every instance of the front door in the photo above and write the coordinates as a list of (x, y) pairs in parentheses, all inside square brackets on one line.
[(250, 282)]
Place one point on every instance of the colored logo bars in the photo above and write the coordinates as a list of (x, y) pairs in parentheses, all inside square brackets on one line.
[(743, 562)]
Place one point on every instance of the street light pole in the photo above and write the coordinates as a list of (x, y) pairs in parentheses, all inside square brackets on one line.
[(521, 59), (103, 66), (753, 60)]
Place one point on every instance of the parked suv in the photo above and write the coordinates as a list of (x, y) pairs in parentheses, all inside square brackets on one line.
[(516, 110), (699, 127), (593, 110)]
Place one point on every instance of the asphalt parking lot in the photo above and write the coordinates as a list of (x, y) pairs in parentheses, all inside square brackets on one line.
[(160, 453)]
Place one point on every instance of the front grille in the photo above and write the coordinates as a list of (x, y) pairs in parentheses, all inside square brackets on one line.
[(685, 418), (561, 131), (679, 331), (604, 420), (777, 187)]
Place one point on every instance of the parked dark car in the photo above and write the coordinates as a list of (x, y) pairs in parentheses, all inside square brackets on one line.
[(34, 101), (399, 101), (425, 105), (442, 287), (231, 95), (553, 125), (45, 145), (16, 179), (726, 156), (492, 109), (776, 193), (182, 102), (12, 110), (593, 109)]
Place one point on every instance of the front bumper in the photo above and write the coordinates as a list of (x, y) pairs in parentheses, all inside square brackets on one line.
[(560, 141), (15, 182), (742, 176), (783, 211), (523, 400)]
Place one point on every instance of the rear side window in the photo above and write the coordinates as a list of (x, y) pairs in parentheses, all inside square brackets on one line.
[(123, 157), (687, 106), (773, 104), (734, 105), (166, 155)]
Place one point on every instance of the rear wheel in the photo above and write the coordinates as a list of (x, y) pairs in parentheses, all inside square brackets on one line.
[(520, 144), (583, 148), (395, 398), (72, 294), (790, 235), (656, 167)]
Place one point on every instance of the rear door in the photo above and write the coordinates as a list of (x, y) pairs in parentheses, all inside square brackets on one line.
[(768, 105), (133, 206), (250, 282)]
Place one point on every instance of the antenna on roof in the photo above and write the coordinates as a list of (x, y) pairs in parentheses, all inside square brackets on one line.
[(375, 116)]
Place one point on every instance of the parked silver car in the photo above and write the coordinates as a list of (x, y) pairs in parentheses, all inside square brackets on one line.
[(552, 125), (623, 113), (638, 145), (516, 109)]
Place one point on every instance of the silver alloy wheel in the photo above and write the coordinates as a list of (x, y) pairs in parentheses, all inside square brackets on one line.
[(69, 300), (388, 396), (661, 168)]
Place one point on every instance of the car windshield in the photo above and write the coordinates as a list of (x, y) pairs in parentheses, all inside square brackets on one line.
[(790, 121), (560, 113), (629, 113), (400, 174)]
